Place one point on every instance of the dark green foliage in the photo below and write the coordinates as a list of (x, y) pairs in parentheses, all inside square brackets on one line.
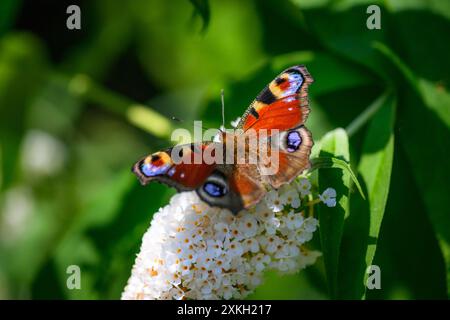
[(105, 93)]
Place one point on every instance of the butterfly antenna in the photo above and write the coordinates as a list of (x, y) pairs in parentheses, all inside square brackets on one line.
[(223, 108), (176, 119), (181, 121)]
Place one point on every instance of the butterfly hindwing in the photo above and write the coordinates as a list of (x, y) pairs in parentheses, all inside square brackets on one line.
[(246, 181), (227, 186), (282, 108), (293, 148), (217, 191)]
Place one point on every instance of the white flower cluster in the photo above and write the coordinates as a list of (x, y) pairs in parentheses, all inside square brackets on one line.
[(194, 251)]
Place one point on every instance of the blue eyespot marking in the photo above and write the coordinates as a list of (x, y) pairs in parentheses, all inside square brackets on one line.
[(293, 141), (214, 189), (150, 170)]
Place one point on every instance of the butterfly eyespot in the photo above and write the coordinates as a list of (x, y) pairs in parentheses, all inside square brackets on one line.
[(155, 157), (214, 189), (293, 141), (147, 169), (150, 170)]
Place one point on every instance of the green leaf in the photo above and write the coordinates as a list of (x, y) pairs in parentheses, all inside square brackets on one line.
[(366, 115), (343, 31), (8, 10), (108, 38), (22, 71), (428, 150), (118, 242), (202, 8), (411, 46), (287, 287), (229, 31), (333, 73), (363, 225), (336, 163), (398, 247), (105, 237), (331, 220), (424, 131), (437, 7)]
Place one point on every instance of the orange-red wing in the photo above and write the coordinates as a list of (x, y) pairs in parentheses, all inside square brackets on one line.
[(283, 104), (290, 159), (182, 167), (246, 182)]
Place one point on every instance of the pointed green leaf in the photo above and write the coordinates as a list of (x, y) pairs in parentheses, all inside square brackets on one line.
[(331, 220), (424, 133), (336, 163), (363, 225)]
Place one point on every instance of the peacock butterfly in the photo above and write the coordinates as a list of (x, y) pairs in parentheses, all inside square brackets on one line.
[(274, 121)]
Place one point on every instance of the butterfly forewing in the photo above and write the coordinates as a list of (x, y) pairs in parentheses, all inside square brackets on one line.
[(283, 104), (182, 167)]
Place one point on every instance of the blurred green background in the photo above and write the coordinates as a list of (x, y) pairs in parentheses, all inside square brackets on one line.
[(79, 107)]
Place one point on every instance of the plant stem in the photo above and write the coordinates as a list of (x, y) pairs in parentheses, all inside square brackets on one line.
[(365, 116), (137, 114), (311, 203)]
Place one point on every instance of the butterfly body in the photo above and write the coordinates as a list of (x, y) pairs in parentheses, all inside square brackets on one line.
[(270, 148)]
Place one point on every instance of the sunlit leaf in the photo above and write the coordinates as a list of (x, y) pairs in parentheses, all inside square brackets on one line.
[(403, 218), (331, 220), (363, 225), (331, 162)]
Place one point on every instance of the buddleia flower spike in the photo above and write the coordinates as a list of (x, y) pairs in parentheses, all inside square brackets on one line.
[(194, 251)]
